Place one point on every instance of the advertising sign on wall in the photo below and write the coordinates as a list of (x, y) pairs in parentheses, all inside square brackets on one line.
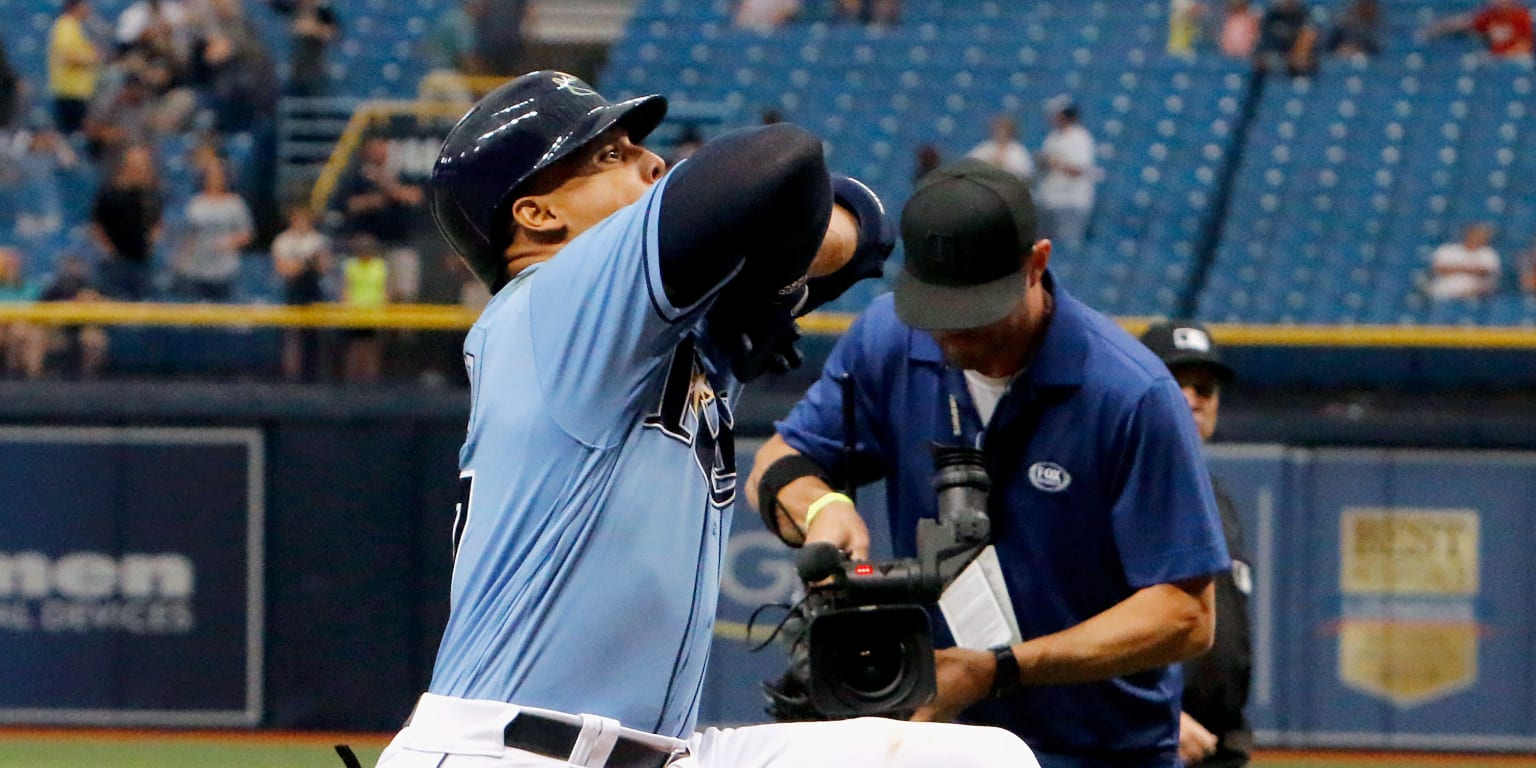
[(131, 576)]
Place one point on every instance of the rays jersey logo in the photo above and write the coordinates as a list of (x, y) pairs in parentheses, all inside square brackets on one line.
[(692, 413)]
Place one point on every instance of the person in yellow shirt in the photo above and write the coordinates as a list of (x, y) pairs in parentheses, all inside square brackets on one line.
[(73, 65), (365, 281)]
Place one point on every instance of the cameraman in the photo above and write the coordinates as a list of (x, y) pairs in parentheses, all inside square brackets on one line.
[(1101, 506)]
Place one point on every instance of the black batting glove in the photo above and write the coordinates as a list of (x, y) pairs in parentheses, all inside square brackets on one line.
[(758, 335)]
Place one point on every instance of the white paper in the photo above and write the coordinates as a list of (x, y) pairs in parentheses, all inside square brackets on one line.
[(977, 607)]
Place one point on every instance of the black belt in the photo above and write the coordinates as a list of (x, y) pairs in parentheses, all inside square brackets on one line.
[(556, 738)]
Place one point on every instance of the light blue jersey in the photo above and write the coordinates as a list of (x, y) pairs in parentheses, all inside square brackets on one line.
[(598, 476)]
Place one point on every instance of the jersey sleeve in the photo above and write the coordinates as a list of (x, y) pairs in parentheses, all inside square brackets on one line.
[(601, 322), (815, 426), (1165, 520)]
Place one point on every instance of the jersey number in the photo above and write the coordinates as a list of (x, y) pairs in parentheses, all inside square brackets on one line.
[(461, 510), (691, 413)]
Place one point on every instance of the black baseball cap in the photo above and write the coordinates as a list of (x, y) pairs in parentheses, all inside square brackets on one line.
[(966, 230), (1186, 342)]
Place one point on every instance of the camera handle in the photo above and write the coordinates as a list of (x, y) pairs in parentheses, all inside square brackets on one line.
[(850, 437)]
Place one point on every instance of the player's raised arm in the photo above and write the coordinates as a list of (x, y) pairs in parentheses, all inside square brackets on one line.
[(756, 215), (757, 196)]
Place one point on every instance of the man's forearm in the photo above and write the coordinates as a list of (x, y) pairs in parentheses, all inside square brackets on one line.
[(1154, 627), (796, 497)]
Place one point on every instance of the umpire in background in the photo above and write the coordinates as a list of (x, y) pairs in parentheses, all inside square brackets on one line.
[(1212, 730)]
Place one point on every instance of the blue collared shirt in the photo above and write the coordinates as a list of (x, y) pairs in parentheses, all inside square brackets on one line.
[(1107, 495)]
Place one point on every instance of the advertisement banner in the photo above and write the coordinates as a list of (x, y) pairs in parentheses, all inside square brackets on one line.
[(131, 576), (1407, 599)]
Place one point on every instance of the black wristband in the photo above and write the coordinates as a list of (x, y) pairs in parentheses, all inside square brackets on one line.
[(1006, 679), (779, 474)]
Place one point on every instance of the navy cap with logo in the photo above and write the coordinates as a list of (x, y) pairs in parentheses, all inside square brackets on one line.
[(966, 230), (1185, 342)]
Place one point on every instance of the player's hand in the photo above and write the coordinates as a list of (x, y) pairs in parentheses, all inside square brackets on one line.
[(840, 525), (757, 336), (964, 678), (876, 239), (1196, 743)]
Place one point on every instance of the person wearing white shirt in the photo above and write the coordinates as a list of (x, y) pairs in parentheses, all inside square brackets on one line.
[(766, 15), (1065, 196), (1465, 270), (1003, 149)]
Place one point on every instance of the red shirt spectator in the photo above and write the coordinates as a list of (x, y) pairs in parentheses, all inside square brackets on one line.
[(1506, 25)]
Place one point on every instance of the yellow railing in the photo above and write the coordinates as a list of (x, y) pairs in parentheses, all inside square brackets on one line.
[(452, 317), (437, 317)]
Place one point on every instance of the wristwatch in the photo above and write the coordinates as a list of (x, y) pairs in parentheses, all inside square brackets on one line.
[(1006, 679)]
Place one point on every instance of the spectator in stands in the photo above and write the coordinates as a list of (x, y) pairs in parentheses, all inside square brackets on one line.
[(1504, 24), (40, 154), (125, 222), (84, 346), (160, 57), (365, 281), (10, 90), (218, 228), (156, 23), (1465, 270), (1287, 38), (1184, 27), (205, 152), (378, 204), (925, 158), (301, 256), (851, 10), (121, 115), (1239, 33), (1065, 196), (878, 12), (1358, 30), (688, 141), (1002, 149), (499, 32), (73, 66), (242, 80), (313, 28), (766, 15), (16, 338), (1528, 270), (455, 41), (885, 12)]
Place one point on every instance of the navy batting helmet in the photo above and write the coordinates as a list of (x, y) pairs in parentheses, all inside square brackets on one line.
[(515, 131)]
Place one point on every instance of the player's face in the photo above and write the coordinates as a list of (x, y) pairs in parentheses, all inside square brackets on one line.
[(607, 174), (1202, 389)]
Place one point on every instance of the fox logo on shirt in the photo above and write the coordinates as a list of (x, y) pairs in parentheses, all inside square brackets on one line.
[(692, 413)]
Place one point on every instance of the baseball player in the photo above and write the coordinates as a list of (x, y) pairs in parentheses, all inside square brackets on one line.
[(599, 470)]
